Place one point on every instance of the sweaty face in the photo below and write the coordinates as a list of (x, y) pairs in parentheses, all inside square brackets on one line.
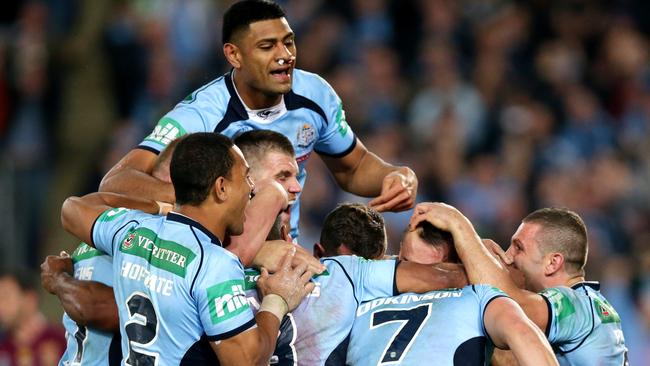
[(261, 47), (527, 257), (414, 249), (242, 186), (282, 168)]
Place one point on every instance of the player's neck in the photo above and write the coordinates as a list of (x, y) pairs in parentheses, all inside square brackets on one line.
[(563, 279), (251, 97), (208, 218)]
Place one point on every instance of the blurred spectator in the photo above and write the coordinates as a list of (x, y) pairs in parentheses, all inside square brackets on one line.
[(28, 338)]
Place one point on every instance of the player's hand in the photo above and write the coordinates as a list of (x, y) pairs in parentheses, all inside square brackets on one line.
[(272, 254), (271, 188), (292, 284), (440, 215), (496, 251), (52, 267), (398, 191)]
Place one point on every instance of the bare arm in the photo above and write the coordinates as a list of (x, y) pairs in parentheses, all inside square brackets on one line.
[(253, 347), (481, 266), (78, 214), (509, 328), (365, 174), (260, 216), (132, 176), (88, 303), (419, 278)]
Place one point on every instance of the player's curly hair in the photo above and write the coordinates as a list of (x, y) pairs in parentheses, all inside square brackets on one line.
[(241, 14), (358, 226)]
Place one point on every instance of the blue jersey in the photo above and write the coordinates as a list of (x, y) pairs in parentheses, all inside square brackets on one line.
[(88, 346), (436, 328), (175, 287), (584, 329), (311, 116), (316, 332)]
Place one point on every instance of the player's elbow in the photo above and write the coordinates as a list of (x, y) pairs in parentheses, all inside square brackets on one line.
[(67, 214)]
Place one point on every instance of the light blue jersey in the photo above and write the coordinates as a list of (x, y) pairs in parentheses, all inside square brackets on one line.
[(175, 287), (436, 328), (88, 346), (316, 332), (584, 329), (311, 116)]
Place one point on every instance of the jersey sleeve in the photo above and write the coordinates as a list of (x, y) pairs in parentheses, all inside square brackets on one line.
[(372, 278), (198, 112), (112, 227), (221, 298), (485, 295), (336, 137), (568, 319)]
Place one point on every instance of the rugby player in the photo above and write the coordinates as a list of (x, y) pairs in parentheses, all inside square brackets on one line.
[(174, 283), (550, 249), (265, 90)]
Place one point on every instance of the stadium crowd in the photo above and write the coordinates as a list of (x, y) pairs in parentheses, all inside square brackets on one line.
[(500, 107)]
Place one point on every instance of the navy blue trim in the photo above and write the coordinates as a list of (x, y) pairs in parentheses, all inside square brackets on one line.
[(593, 284), (549, 307), (233, 332), (395, 289), (235, 111), (118, 230), (341, 154), (148, 148), (484, 310), (593, 321), (196, 274), (172, 216), (295, 101), (354, 292)]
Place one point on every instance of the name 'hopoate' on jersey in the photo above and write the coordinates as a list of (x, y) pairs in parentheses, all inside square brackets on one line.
[(584, 329), (311, 116), (316, 332), (175, 287), (435, 328), (88, 346)]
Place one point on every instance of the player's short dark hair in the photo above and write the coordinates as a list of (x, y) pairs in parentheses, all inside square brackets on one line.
[(563, 231), (358, 226), (199, 159), (255, 144), (241, 14), (438, 238)]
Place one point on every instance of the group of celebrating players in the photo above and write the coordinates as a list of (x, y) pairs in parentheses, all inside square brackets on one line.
[(188, 253)]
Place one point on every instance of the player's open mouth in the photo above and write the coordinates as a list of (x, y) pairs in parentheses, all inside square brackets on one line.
[(283, 73)]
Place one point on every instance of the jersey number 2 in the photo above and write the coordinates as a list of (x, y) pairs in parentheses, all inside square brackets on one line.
[(141, 329), (411, 322)]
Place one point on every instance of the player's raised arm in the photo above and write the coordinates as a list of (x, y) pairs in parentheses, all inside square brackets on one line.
[(88, 303), (481, 266), (365, 174), (78, 214), (509, 328)]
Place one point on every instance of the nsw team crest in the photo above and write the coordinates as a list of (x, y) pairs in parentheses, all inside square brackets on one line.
[(306, 136), (128, 242)]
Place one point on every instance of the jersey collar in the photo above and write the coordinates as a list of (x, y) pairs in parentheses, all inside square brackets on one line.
[(593, 284), (175, 216)]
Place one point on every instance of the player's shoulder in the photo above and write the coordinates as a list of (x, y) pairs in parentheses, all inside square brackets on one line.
[(312, 86), (216, 89)]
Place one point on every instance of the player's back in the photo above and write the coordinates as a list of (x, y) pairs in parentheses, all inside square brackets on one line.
[(436, 328), (584, 328), (316, 332), (175, 287), (88, 346)]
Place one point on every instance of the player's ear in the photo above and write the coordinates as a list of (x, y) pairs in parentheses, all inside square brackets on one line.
[(232, 54), (319, 251), (221, 188), (554, 263)]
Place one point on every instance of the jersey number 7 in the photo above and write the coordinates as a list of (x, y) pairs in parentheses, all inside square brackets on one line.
[(411, 323)]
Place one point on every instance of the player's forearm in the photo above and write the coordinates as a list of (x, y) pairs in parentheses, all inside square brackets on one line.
[(268, 325), (88, 303), (132, 182), (419, 278), (367, 178), (260, 217)]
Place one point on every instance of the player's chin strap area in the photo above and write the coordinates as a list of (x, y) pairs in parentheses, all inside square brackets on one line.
[(275, 305)]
